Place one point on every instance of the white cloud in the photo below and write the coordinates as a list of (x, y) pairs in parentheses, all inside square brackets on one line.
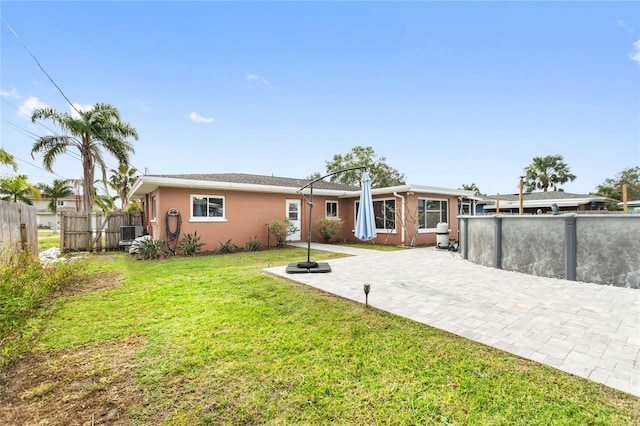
[(28, 106), (79, 107), (256, 78), (141, 104), (12, 94), (635, 56), (194, 116)]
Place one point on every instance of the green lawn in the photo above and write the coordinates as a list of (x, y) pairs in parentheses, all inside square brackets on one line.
[(225, 343), (47, 239)]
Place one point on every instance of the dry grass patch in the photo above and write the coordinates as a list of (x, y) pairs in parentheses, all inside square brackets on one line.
[(92, 384)]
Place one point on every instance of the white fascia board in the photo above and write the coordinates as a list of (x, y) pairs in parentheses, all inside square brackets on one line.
[(144, 185), (417, 189)]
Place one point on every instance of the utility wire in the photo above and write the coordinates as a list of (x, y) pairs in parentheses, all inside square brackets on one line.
[(46, 73), (38, 63)]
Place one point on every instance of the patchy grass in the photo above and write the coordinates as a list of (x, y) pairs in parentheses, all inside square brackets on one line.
[(217, 341), (47, 239)]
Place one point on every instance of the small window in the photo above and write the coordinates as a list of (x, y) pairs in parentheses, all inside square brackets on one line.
[(331, 209), (207, 208), (431, 212), (154, 208), (60, 203)]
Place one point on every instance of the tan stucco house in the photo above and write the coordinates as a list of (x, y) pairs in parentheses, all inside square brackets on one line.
[(238, 207)]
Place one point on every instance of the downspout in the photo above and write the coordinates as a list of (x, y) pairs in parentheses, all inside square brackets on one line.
[(404, 229)]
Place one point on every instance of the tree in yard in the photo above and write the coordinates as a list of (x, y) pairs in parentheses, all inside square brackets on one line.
[(547, 172), (18, 188), (121, 180), (381, 174), (97, 129), (473, 187), (59, 188), (8, 159), (612, 187)]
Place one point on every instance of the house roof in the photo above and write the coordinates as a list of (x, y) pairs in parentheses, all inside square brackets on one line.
[(236, 181), (543, 199), (258, 183)]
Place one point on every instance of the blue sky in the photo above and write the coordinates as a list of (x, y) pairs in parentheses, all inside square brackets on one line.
[(450, 93)]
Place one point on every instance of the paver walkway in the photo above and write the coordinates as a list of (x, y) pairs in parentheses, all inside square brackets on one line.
[(589, 330)]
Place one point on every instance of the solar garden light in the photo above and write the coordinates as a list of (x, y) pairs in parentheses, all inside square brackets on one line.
[(367, 289)]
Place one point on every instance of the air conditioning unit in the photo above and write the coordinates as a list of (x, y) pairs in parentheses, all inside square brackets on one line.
[(130, 233)]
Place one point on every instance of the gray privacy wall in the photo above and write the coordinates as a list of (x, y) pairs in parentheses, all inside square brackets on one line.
[(601, 249)]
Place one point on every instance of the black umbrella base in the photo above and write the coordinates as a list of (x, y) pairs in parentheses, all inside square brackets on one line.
[(308, 267)]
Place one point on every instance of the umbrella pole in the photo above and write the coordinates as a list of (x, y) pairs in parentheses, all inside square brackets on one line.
[(309, 232)]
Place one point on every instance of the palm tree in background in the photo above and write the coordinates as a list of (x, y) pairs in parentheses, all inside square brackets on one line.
[(18, 188), (96, 130), (60, 188), (547, 172), (121, 180), (8, 159)]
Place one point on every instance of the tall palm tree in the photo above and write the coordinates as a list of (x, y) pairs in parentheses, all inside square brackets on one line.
[(17, 188), (121, 180), (547, 172), (8, 159), (59, 188), (97, 129)]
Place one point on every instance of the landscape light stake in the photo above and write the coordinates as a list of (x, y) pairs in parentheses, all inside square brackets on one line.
[(367, 289)]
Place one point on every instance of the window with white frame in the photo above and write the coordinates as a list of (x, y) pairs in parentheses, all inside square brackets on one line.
[(384, 212), (207, 208), (154, 208), (331, 209), (431, 212), (60, 203)]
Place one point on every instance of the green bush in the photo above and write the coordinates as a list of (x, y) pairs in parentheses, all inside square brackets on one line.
[(253, 245), (25, 286), (191, 244), (227, 247), (147, 248), (328, 228), (281, 229)]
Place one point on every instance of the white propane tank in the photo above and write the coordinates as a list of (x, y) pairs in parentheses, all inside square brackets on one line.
[(442, 235)]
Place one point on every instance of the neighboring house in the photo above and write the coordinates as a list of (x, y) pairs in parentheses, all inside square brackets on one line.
[(534, 201), (238, 207), (47, 219), (632, 206)]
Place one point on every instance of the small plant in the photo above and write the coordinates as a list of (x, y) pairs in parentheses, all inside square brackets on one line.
[(227, 247), (328, 228), (281, 229), (147, 248), (253, 245), (191, 244)]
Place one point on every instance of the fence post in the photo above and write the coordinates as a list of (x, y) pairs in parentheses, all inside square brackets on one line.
[(465, 239), (498, 240), (98, 232), (571, 254), (24, 237)]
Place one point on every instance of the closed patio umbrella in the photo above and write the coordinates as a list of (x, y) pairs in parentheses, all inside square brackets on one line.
[(366, 221)]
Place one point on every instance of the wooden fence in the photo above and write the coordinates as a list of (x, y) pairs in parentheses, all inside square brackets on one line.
[(77, 232), (18, 225)]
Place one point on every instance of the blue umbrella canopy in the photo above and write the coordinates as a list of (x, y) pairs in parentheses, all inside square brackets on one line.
[(366, 221)]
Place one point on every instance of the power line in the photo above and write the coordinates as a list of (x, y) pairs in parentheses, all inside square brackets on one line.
[(49, 77), (38, 63)]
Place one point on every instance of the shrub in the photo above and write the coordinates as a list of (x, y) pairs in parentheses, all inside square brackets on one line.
[(328, 228), (147, 248), (253, 245), (25, 286), (191, 244), (281, 229), (227, 247)]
